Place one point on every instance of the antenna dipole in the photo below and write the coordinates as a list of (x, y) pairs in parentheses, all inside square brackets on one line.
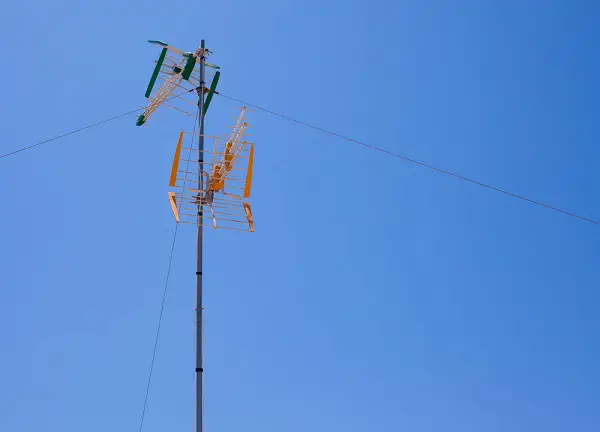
[(199, 326)]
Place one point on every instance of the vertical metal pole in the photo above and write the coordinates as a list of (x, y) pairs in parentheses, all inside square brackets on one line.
[(199, 328)]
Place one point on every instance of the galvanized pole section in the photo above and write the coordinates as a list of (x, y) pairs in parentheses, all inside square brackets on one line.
[(199, 329)]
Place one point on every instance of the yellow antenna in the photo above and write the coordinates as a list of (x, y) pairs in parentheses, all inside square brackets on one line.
[(227, 171)]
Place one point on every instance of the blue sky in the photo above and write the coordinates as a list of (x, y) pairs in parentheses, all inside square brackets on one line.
[(375, 294)]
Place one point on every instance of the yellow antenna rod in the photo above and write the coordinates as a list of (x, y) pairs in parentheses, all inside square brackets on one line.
[(248, 185), (174, 169)]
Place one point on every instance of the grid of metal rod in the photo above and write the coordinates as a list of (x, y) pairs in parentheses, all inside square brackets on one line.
[(223, 208)]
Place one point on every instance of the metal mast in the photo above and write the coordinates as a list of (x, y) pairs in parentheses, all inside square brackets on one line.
[(199, 327)]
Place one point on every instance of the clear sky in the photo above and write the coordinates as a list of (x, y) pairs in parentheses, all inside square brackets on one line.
[(375, 295)]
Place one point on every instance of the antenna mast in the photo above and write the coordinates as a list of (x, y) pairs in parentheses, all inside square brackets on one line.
[(199, 326)]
